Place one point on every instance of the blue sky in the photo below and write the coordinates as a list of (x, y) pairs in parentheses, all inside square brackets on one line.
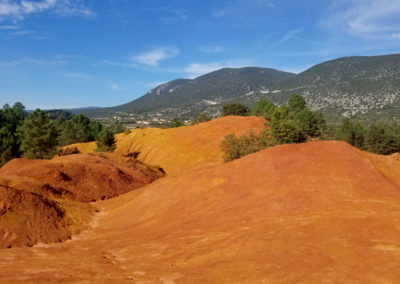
[(77, 53)]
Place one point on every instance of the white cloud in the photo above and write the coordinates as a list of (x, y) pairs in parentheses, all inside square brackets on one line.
[(17, 10), (153, 57), (365, 18)]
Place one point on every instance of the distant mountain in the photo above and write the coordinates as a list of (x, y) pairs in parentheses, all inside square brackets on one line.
[(365, 87), (184, 97)]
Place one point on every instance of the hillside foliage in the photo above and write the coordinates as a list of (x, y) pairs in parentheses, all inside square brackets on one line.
[(38, 135), (296, 123)]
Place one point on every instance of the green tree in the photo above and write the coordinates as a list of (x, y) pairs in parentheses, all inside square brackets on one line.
[(95, 128), (352, 132), (106, 140), (38, 136), (312, 123), (117, 127), (77, 130), (235, 109), (175, 122), (263, 108), (11, 118), (285, 127), (297, 103), (381, 138), (6, 146)]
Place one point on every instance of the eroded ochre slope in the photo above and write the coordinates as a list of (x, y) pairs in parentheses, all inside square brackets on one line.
[(177, 150), (306, 213), (46, 200)]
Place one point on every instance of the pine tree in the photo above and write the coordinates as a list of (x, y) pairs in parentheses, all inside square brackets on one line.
[(6, 146), (38, 136)]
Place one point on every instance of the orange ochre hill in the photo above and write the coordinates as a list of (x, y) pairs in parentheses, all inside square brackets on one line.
[(177, 150), (306, 213)]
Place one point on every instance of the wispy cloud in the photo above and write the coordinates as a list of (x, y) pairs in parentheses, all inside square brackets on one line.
[(33, 61), (22, 33), (127, 64), (238, 8), (9, 27), (18, 10), (365, 18), (168, 14), (197, 69), (116, 87), (77, 75), (211, 49), (154, 56), (154, 84)]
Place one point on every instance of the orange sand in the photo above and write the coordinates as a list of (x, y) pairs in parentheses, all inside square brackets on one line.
[(307, 213), (179, 149)]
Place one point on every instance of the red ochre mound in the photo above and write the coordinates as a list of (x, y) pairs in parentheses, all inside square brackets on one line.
[(40, 199), (78, 177), (307, 213), (27, 218)]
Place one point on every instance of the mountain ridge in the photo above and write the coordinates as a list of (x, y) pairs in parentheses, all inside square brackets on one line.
[(353, 86)]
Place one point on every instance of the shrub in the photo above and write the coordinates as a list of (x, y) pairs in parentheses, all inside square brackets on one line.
[(381, 138), (175, 122), (235, 109), (352, 132), (237, 147), (286, 127), (68, 151), (204, 117), (106, 140), (263, 108)]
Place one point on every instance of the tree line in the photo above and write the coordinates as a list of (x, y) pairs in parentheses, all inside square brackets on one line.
[(39, 134), (296, 123)]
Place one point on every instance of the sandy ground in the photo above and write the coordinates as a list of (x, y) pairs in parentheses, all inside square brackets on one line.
[(320, 212)]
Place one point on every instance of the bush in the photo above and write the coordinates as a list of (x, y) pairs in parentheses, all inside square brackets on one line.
[(237, 147), (381, 138), (175, 122), (204, 117), (235, 109), (117, 127), (106, 140), (263, 108), (286, 127), (68, 151), (352, 132)]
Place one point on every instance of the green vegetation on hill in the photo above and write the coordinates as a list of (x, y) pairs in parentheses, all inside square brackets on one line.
[(38, 134), (296, 123), (235, 109)]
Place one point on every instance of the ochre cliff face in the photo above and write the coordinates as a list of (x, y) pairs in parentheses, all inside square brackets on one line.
[(293, 213)]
